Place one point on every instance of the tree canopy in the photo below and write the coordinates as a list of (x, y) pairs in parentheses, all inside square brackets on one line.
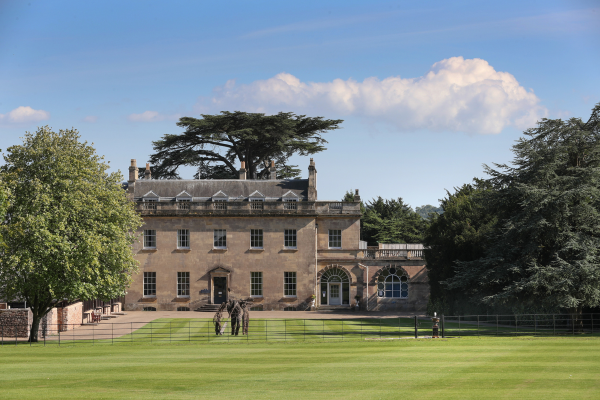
[(213, 143), (426, 211), (391, 221), (458, 233), (544, 252), (70, 226)]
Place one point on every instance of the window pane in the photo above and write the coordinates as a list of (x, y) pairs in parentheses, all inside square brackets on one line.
[(256, 238), (149, 283), (149, 238), (335, 238), (183, 238), (289, 238), (183, 284), (256, 283), (220, 238), (289, 284)]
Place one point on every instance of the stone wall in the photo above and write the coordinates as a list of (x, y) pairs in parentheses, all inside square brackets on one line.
[(70, 316), (235, 263), (15, 322), (19, 320)]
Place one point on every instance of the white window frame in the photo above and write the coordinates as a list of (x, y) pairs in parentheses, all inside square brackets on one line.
[(183, 238), (256, 284), (147, 234), (286, 233), (150, 203), (256, 203), (334, 235), (183, 284), (290, 278), (290, 204), (149, 284), (215, 238), (256, 239)]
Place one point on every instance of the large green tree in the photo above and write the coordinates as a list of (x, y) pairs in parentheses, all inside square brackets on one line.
[(216, 144), (545, 250), (3, 205), (391, 221), (70, 226), (459, 233)]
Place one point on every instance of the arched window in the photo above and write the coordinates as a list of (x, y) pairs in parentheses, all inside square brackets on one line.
[(393, 283), (335, 287)]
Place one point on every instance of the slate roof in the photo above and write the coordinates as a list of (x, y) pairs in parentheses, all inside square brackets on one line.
[(202, 190)]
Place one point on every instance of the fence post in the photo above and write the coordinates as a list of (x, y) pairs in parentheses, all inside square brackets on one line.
[(497, 326), (58, 335), (16, 334), (304, 330), (285, 330), (189, 332), (459, 330), (553, 325), (169, 331), (266, 330), (516, 325), (379, 328), (323, 331), (592, 323), (112, 333), (416, 328), (342, 330), (131, 330), (443, 325), (573, 324), (477, 324), (535, 324)]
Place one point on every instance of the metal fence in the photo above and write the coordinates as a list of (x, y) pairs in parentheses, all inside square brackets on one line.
[(203, 331), (183, 330), (520, 325)]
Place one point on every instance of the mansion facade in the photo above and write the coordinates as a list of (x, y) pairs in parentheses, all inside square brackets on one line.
[(206, 241)]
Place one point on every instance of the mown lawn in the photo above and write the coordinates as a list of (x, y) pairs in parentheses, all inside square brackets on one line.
[(487, 367)]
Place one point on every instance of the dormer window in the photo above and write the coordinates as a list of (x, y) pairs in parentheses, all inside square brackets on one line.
[(183, 200), (290, 204), (220, 200), (256, 200), (290, 200), (150, 199)]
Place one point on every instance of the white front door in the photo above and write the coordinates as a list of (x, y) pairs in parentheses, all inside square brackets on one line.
[(334, 294)]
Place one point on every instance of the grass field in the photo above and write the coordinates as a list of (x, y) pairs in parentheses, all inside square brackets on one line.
[(516, 368)]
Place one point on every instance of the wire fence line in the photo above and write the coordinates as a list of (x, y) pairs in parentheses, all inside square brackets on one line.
[(181, 330), (521, 325)]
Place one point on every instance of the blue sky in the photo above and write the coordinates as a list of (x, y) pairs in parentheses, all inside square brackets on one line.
[(429, 91)]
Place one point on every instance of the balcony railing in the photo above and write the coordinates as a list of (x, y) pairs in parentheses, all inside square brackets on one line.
[(248, 207), (395, 253)]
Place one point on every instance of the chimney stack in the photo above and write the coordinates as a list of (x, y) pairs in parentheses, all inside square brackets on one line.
[(272, 171), (133, 171), (312, 181), (356, 196), (243, 171), (148, 173)]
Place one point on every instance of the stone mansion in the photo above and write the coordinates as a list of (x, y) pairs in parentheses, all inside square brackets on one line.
[(272, 241)]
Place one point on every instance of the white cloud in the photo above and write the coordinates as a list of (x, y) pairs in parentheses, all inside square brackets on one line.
[(152, 116), (24, 114), (90, 118), (456, 95)]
